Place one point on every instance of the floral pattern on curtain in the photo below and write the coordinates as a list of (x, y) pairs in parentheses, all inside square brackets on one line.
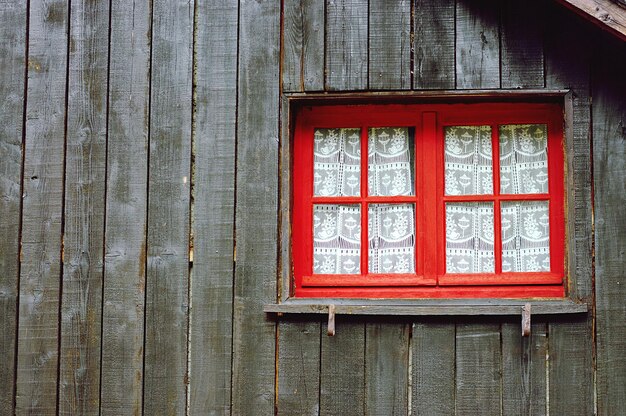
[(523, 159), (336, 239), (337, 162), (391, 238), (525, 236), (390, 162), (468, 160), (469, 237)]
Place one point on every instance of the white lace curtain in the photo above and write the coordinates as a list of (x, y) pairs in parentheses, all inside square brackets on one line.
[(524, 225), (523, 159), (337, 228), (337, 162), (525, 236), (468, 164), (468, 170), (469, 237)]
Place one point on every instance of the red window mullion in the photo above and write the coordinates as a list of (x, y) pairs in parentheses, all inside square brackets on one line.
[(497, 229), (430, 218), (364, 190)]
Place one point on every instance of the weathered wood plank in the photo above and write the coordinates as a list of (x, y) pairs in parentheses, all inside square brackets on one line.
[(346, 44), (342, 370), (386, 368), (40, 274), (12, 71), (389, 44), (434, 28), (524, 362), (567, 55), (213, 187), (477, 44), (126, 210), (571, 368), (522, 44), (303, 45), (256, 208), (298, 367), (609, 165), (426, 307), (603, 13), (167, 303), (79, 379), (433, 366), (478, 357)]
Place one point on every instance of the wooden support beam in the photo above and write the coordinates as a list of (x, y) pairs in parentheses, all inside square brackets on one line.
[(603, 13)]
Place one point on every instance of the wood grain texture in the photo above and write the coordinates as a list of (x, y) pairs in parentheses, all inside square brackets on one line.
[(389, 44), (167, 303), (524, 363), (346, 45), (40, 275), (434, 41), (12, 70), (342, 370), (522, 25), (568, 59), (477, 44), (256, 208), (213, 185), (303, 45), (606, 14), (433, 369), (571, 368), (609, 164), (570, 341), (126, 210), (79, 379), (478, 358), (386, 368), (298, 367)]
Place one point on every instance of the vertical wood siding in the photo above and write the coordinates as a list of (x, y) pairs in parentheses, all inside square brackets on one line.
[(13, 49), (123, 308), (42, 214), (134, 134), (85, 184)]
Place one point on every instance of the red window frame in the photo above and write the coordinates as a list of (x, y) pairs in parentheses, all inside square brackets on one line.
[(429, 279)]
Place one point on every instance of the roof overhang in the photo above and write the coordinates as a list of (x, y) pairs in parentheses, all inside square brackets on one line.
[(608, 15)]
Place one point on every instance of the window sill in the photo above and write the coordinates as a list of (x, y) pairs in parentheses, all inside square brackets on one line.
[(427, 307)]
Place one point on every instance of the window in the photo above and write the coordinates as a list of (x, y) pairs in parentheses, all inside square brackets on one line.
[(419, 201)]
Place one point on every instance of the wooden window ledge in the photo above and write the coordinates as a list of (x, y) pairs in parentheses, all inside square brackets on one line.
[(426, 307)]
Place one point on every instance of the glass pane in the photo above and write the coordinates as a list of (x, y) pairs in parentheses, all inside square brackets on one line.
[(391, 238), (525, 236), (337, 162), (468, 164), (390, 161), (469, 237), (336, 239), (523, 159)]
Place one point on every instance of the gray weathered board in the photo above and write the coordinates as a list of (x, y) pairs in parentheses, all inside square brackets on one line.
[(135, 134)]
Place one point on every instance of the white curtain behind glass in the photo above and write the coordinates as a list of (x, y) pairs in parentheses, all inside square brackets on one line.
[(525, 236), (469, 237), (391, 238), (468, 164), (336, 239), (523, 159), (337, 228), (389, 162), (337, 162)]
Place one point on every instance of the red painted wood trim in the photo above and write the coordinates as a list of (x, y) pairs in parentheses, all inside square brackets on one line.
[(430, 279)]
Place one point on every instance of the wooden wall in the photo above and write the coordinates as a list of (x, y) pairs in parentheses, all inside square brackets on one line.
[(140, 208)]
